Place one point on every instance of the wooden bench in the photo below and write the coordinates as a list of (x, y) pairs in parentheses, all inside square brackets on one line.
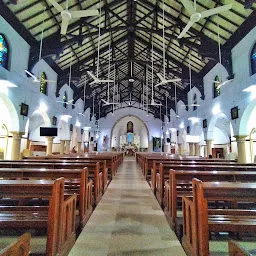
[(163, 175), (236, 250), (180, 184), (93, 171), (76, 182), (199, 220), (58, 216), (19, 248), (110, 160)]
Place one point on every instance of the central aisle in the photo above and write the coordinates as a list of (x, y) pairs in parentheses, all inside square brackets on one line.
[(127, 221)]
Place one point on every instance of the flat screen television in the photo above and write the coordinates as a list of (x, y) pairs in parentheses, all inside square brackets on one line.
[(48, 131)]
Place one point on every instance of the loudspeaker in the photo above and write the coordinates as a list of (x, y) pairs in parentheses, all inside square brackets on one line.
[(168, 140), (91, 138)]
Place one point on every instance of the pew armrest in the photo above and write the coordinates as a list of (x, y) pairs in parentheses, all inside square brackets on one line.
[(236, 250)]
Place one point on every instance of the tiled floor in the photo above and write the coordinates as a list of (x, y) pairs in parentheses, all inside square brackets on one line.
[(127, 221)]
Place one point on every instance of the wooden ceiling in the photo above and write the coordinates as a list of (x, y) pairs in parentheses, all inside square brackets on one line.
[(131, 27)]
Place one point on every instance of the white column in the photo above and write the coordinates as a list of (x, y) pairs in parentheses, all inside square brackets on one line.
[(209, 147), (16, 141), (62, 147), (241, 149), (67, 149), (49, 146)]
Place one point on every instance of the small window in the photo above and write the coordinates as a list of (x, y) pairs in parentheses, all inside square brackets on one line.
[(253, 60), (65, 100), (195, 102), (4, 52), (216, 90), (43, 83)]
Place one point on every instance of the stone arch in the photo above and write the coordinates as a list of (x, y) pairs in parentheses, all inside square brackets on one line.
[(36, 120), (9, 116), (246, 120)]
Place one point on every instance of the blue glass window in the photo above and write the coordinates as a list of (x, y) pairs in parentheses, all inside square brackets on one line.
[(3, 52), (253, 60)]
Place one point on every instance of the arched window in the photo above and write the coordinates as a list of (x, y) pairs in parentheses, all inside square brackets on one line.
[(216, 90), (253, 60), (43, 83), (65, 100), (195, 102), (4, 52)]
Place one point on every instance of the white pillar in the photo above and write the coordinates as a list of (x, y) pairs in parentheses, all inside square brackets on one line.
[(49, 146), (62, 147), (241, 149), (67, 149), (16, 141)]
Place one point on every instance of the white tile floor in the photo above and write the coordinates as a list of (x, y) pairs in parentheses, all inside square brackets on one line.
[(127, 221)]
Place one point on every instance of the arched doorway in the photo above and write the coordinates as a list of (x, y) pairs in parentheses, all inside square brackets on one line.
[(129, 133)]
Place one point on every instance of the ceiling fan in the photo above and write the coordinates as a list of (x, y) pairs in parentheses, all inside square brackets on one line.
[(163, 80), (153, 102), (82, 114), (197, 16), (192, 104), (107, 102), (69, 102), (35, 79), (67, 15), (96, 79), (220, 83)]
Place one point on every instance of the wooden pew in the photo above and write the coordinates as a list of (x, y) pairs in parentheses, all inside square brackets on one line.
[(93, 171), (76, 182), (110, 160), (158, 184), (199, 220), (236, 250), (180, 184), (58, 217), (19, 248)]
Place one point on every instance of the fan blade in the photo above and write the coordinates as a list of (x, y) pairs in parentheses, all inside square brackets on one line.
[(160, 77), (173, 80), (216, 10), (81, 114), (186, 29), (30, 74), (64, 26), (92, 75), (61, 101), (195, 105), (104, 101), (71, 100), (56, 5), (162, 83), (188, 6), (105, 81), (50, 81), (84, 13), (223, 83)]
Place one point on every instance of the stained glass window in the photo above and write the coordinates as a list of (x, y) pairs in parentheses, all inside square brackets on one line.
[(3, 52), (195, 102), (216, 90), (65, 100), (43, 84), (253, 60)]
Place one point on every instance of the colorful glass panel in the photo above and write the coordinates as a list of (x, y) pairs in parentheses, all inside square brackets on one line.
[(195, 102), (216, 90), (65, 100), (3, 52), (43, 84), (253, 60)]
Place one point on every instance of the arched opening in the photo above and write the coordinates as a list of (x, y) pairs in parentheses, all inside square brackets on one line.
[(136, 138), (197, 136), (37, 143), (4, 52), (253, 145), (220, 131)]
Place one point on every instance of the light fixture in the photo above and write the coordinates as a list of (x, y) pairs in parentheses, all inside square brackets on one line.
[(173, 129), (251, 88), (131, 80), (193, 119), (78, 124), (167, 132), (216, 109), (65, 117), (43, 107), (182, 125), (87, 128), (6, 83)]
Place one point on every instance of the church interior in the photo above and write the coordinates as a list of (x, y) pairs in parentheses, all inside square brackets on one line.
[(141, 138)]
